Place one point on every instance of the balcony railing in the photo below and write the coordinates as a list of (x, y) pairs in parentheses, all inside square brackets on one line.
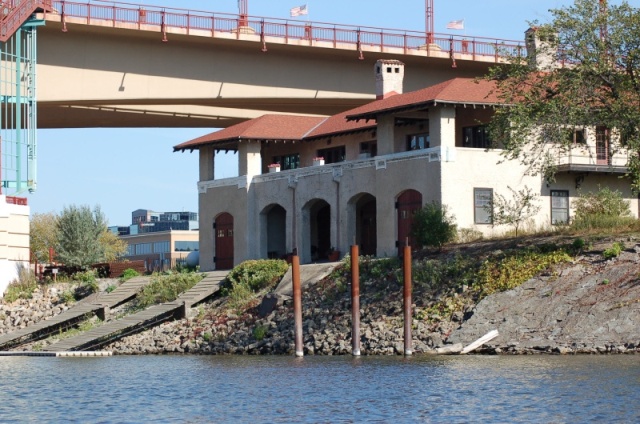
[(166, 20), (585, 160), (336, 170)]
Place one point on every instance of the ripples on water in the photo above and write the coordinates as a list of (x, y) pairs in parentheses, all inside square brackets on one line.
[(195, 389)]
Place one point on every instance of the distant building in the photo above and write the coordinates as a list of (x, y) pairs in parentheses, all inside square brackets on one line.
[(147, 221), (161, 249), (160, 238)]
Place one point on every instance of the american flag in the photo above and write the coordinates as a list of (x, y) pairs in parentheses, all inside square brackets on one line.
[(456, 24), (300, 10)]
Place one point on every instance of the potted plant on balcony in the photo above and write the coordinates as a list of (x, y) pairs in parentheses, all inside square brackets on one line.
[(334, 254), (274, 167), (318, 161)]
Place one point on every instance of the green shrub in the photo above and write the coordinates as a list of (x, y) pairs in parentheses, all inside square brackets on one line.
[(239, 295), (514, 268), (88, 283), (22, 287), (604, 209), (468, 235), (128, 274), (67, 297), (166, 288), (578, 244), (433, 226), (110, 288), (614, 251), (259, 332), (258, 274), (452, 272)]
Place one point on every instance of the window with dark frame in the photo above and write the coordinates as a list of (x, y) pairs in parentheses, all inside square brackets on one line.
[(333, 154), (476, 137), (482, 204), (575, 136), (369, 147), (288, 161), (559, 207), (418, 141)]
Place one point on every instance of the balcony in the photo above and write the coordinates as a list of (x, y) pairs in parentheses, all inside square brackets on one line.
[(584, 160), (336, 170)]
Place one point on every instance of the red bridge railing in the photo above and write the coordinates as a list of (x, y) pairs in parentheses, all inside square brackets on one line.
[(14, 13), (344, 35)]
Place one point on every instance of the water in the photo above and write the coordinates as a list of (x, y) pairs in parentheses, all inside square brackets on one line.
[(222, 389)]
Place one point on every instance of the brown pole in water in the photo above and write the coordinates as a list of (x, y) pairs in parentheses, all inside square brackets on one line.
[(407, 299), (355, 301), (297, 304)]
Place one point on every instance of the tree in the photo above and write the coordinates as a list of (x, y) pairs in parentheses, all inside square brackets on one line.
[(80, 230), (433, 226), (515, 211), (43, 234), (597, 82), (112, 245)]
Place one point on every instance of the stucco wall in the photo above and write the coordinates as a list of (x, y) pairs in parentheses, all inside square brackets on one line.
[(14, 241), (214, 201)]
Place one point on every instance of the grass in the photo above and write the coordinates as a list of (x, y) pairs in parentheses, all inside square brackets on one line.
[(22, 287), (165, 288)]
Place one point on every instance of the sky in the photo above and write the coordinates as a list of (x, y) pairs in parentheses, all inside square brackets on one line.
[(122, 170)]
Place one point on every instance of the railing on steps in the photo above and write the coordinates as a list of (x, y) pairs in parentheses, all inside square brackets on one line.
[(14, 15)]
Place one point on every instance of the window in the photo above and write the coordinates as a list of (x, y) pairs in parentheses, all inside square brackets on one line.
[(368, 149), (143, 248), (287, 161), (131, 250), (559, 207), (332, 155), (477, 137), (418, 141), (161, 247), (482, 201), (575, 136), (187, 246)]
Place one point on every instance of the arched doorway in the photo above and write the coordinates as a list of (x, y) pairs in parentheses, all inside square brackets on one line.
[(274, 221), (224, 241), (363, 212), (408, 202), (317, 221)]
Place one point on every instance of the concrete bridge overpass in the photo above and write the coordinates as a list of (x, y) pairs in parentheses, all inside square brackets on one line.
[(121, 65)]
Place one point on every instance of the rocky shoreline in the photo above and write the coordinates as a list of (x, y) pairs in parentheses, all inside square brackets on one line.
[(590, 305)]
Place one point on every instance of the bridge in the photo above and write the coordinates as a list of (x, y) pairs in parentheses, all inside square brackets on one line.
[(121, 65)]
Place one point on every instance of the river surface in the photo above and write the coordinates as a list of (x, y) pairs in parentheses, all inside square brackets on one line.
[(276, 389)]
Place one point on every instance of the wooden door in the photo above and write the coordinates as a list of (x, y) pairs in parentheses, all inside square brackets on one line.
[(408, 202), (223, 228)]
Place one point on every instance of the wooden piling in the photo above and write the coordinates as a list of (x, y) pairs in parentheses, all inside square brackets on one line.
[(355, 301), (407, 299), (297, 304)]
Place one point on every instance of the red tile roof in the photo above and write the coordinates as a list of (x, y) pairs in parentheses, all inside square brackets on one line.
[(266, 127), (294, 127), (457, 91), (338, 125)]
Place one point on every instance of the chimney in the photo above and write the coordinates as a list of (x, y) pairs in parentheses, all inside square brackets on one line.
[(389, 77), (542, 48)]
